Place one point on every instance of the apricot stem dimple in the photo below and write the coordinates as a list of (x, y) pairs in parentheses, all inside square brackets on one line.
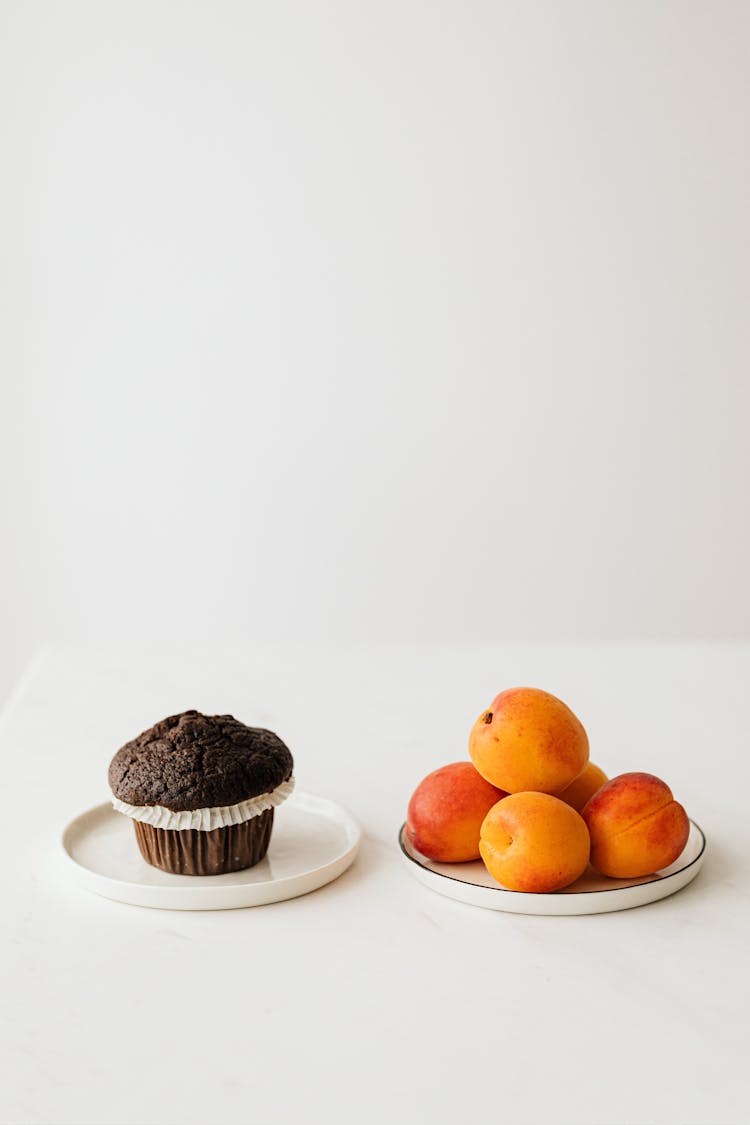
[(488, 717)]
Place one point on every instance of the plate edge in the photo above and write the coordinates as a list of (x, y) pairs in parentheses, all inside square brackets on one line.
[(554, 895)]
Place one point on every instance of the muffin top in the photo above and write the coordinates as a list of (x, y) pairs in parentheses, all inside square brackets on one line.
[(194, 761)]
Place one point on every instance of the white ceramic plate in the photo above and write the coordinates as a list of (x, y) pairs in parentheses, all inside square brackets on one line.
[(591, 894), (314, 840)]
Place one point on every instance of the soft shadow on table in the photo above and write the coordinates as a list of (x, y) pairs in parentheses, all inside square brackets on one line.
[(721, 869), (376, 855), (372, 857)]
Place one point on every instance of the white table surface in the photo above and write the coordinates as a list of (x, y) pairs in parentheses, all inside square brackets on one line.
[(374, 999)]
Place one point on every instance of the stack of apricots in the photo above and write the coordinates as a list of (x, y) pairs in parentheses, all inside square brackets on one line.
[(533, 807)]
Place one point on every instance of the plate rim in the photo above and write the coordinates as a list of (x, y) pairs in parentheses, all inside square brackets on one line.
[(352, 825), (555, 895)]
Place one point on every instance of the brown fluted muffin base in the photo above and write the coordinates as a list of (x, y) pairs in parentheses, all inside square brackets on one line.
[(191, 852)]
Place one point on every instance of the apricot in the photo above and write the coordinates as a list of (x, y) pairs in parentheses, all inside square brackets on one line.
[(636, 826), (528, 740), (534, 842), (583, 787), (446, 812)]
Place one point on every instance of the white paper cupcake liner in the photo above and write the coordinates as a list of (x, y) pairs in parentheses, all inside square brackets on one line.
[(205, 820)]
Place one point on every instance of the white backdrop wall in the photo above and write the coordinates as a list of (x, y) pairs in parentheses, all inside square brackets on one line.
[(364, 320)]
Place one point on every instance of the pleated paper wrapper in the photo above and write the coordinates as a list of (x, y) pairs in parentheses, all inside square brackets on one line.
[(209, 841)]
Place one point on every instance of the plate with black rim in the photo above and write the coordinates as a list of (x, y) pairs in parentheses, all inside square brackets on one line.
[(591, 894)]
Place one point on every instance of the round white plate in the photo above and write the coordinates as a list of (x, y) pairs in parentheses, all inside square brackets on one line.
[(591, 894), (314, 840)]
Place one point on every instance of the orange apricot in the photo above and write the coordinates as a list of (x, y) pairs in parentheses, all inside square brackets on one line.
[(583, 787), (528, 740), (534, 842), (636, 826), (446, 812)]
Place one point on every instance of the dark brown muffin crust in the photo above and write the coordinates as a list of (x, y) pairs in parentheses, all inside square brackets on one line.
[(194, 761)]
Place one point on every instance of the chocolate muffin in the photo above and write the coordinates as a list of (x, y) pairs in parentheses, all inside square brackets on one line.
[(201, 791)]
